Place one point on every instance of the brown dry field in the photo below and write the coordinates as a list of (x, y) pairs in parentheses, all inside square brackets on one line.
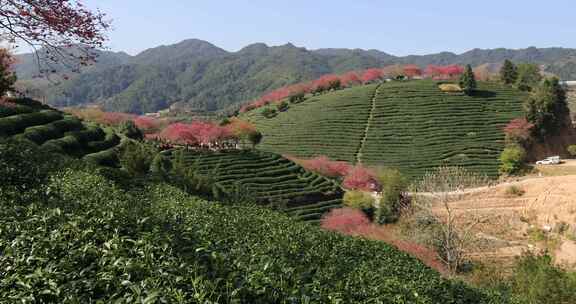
[(543, 217)]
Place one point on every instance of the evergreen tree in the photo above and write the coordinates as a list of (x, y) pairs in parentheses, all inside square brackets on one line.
[(468, 81), (546, 108), (508, 72), (255, 138)]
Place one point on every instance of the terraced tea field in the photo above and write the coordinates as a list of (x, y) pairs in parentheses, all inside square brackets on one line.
[(269, 179), (409, 125), (329, 125), (54, 130)]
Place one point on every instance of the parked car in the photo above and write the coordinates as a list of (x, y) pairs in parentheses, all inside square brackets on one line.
[(552, 160)]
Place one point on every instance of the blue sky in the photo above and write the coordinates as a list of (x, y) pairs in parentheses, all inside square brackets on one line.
[(397, 27)]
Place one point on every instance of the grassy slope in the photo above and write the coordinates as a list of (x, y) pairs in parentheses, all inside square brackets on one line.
[(268, 179), (415, 126), (58, 132)]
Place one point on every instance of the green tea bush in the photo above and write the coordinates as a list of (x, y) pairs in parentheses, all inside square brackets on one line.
[(512, 160), (30, 103), (358, 200), (269, 113), (87, 239), (40, 134), (68, 145), (129, 129), (14, 109), (254, 176), (394, 189), (107, 158), (109, 141), (282, 106), (23, 166), (297, 97), (12, 125), (136, 158), (571, 150), (537, 279), (91, 241)]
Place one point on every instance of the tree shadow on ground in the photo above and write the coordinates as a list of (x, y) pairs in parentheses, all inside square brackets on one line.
[(483, 94)]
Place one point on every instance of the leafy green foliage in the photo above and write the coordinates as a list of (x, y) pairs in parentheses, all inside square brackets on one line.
[(547, 108), (255, 138), (268, 178), (136, 158), (508, 73), (571, 150), (468, 81), (23, 166), (512, 160), (269, 113), (528, 76), (282, 106), (91, 241), (537, 280), (30, 120), (358, 199), (161, 165), (394, 188), (297, 97), (187, 176), (129, 129)]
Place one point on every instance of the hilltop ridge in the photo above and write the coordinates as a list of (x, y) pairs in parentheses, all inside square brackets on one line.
[(206, 77)]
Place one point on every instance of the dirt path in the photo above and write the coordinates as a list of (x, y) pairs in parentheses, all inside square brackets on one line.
[(368, 124)]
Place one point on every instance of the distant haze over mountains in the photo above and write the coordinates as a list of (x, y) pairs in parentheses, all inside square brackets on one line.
[(204, 77)]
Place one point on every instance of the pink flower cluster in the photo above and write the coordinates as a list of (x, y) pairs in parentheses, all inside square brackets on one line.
[(116, 118), (354, 78), (197, 132), (519, 128), (443, 72), (360, 178), (345, 220), (346, 80), (354, 177), (324, 166)]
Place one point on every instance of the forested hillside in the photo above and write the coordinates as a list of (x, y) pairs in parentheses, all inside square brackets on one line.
[(207, 78)]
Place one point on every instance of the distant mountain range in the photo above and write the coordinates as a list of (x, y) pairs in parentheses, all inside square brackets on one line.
[(205, 77)]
